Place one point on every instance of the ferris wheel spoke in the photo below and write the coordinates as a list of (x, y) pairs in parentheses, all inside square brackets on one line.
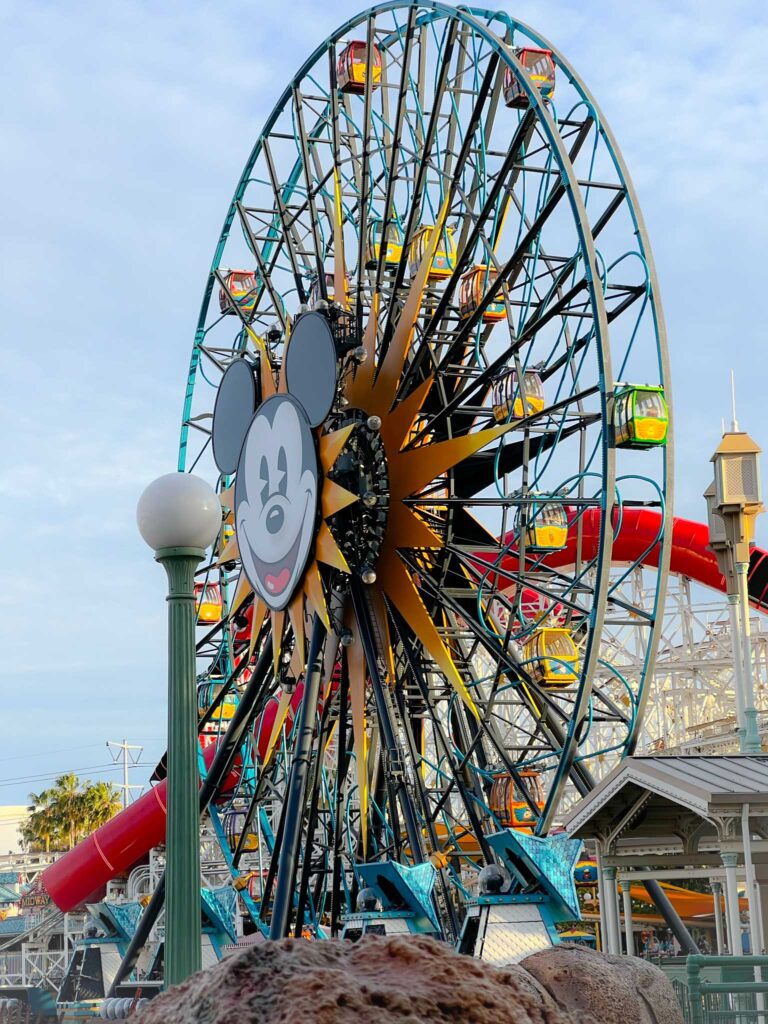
[(421, 177), (264, 271), (309, 185), (392, 171), (282, 214)]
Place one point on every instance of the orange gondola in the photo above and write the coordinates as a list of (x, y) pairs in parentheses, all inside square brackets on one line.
[(541, 69), (508, 804), (472, 287)]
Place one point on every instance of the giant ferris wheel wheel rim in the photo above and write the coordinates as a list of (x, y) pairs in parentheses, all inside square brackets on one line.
[(584, 595)]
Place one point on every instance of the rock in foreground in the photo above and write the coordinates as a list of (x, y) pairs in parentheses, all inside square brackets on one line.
[(409, 980), (600, 987), (389, 981)]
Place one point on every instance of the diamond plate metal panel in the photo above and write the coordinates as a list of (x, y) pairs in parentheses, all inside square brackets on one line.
[(507, 944), (513, 913), (396, 927)]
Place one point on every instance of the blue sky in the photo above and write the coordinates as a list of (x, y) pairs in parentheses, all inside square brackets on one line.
[(124, 129)]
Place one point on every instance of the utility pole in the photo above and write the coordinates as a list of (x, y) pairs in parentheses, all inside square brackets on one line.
[(123, 750)]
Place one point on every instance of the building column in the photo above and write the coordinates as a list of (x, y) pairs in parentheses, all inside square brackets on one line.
[(730, 860), (628, 932), (604, 937), (611, 909), (717, 892)]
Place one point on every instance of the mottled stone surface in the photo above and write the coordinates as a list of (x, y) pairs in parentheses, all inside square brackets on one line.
[(609, 989), (382, 980)]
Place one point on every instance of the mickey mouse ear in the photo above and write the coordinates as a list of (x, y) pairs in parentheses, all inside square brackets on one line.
[(236, 403), (310, 366)]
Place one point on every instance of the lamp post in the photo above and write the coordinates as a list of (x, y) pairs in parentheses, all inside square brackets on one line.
[(733, 503), (179, 516)]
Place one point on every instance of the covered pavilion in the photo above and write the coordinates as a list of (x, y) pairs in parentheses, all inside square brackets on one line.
[(677, 818)]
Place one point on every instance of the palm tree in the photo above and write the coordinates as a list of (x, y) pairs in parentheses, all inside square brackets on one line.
[(67, 812), (101, 802)]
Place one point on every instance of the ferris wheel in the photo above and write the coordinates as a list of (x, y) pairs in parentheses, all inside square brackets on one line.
[(429, 377)]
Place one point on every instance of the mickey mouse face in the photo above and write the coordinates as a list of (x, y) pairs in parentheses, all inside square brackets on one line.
[(271, 447)]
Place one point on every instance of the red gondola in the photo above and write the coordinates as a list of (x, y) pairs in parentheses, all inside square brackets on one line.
[(242, 289), (352, 65)]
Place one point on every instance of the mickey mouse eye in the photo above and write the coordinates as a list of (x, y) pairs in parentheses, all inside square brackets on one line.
[(282, 471), (264, 477)]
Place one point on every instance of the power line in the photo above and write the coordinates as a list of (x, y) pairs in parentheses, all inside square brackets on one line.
[(108, 767)]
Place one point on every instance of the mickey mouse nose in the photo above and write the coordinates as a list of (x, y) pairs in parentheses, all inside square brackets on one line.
[(275, 519)]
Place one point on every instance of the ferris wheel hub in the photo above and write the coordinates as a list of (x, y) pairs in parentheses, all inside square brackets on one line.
[(362, 469)]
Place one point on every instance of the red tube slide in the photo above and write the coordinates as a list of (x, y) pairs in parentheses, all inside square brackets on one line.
[(637, 542)]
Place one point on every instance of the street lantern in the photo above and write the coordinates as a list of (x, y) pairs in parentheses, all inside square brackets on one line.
[(733, 503), (737, 473), (179, 516)]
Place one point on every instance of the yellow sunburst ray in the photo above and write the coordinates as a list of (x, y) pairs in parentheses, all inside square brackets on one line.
[(401, 591), (277, 726), (296, 616), (296, 664), (259, 614), (278, 622), (391, 369), (359, 389), (357, 676), (242, 590), (405, 529), (330, 656), (313, 588), (266, 379), (381, 618), (328, 551), (227, 499), (417, 468), (334, 498), (230, 552), (329, 446), (396, 426)]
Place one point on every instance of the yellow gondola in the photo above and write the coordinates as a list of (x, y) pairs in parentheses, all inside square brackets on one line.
[(553, 657), (206, 695), (444, 259), (208, 602), (507, 802), (507, 400), (472, 287), (544, 523), (640, 416), (233, 828), (394, 247)]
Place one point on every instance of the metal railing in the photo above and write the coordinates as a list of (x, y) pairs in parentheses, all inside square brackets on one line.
[(725, 993)]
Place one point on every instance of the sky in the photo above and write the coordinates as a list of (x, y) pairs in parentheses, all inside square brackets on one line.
[(124, 128)]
